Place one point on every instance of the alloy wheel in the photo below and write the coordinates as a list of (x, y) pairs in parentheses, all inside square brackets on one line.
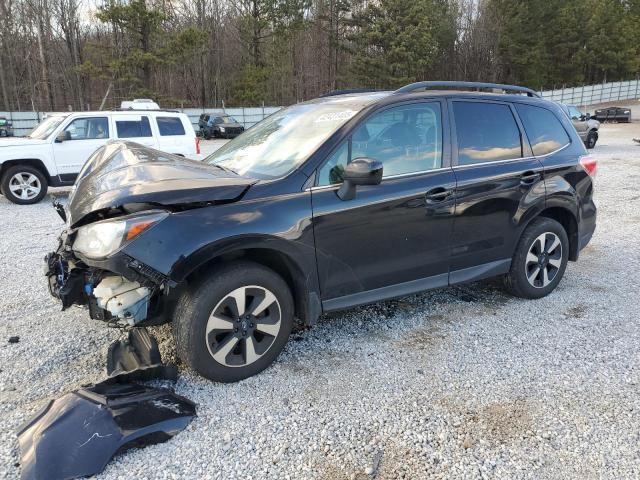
[(25, 186), (544, 260), (243, 326)]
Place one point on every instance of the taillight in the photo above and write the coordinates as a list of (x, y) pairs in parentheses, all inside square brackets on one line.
[(589, 164), (198, 145)]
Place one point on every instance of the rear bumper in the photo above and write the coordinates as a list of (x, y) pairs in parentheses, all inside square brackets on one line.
[(587, 229)]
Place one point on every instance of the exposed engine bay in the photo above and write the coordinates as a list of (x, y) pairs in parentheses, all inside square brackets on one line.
[(125, 291)]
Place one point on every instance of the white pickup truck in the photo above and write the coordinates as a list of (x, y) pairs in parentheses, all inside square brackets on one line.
[(54, 152)]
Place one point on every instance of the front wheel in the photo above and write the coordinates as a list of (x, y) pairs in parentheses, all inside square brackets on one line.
[(539, 261), (24, 185), (235, 323), (592, 138)]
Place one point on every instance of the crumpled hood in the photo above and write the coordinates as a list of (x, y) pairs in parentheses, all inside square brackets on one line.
[(20, 141), (125, 173)]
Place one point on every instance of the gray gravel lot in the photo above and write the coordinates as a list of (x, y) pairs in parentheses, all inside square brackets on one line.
[(457, 383)]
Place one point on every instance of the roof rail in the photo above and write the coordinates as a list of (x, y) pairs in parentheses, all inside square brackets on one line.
[(348, 91), (471, 85)]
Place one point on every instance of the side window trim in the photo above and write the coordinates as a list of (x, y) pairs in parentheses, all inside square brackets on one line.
[(446, 147), (524, 140)]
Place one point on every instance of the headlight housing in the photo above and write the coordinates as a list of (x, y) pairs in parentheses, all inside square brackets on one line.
[(101, 239), (222, 129)]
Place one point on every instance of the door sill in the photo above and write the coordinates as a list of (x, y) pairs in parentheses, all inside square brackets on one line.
[(385, 293)]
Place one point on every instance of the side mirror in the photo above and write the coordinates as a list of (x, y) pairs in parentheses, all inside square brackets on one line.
[(62, 136), (587, 116), (361, 171)]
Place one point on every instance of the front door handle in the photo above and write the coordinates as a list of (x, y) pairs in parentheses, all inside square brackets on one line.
[(438, 194), (529, 178)]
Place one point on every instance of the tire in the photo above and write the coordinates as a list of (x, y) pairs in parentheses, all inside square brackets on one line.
[(30, 176), (224, 354), (592, 138), (206, 134), (523, 266)]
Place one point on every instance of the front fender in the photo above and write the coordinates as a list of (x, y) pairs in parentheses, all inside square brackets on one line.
[(185, 240), (25, 152)]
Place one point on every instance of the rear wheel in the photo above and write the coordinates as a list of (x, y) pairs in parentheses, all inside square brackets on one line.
[(24, 185), (539, 261), (592, 138), (235, 323)]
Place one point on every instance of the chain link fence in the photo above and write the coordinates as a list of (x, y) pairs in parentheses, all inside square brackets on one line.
[(595, 94), (581, 96)]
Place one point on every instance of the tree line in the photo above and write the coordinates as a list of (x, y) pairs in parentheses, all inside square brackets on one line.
[(61, 54)]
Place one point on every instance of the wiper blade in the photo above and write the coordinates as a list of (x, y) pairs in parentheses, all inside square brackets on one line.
[(226, 169)]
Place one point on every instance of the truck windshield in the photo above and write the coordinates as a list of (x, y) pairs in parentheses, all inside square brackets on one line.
[(46, 128), (281, 142)]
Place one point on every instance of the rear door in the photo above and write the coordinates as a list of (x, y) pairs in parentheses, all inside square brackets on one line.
[(393, 238), (83, 135), (175, 135), (498, 181), (136, 128)]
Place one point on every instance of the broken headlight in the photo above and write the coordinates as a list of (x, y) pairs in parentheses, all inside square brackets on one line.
[(100, 239)]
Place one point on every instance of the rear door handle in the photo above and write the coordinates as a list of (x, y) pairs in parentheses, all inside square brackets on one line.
[(530, 177), (438, 194)]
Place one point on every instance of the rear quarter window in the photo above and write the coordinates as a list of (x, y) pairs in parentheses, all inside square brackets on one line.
[(546, 133), (170, 126)]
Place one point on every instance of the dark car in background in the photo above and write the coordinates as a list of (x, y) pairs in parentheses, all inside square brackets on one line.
[(219, 125), (326, 205), (613, 114), (6, 127), (586, 126)]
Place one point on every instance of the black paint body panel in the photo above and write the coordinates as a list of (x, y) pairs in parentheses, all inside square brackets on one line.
[(389, 240)]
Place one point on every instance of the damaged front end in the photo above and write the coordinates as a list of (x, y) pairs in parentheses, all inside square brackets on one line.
[(122, 192), (115, 289)]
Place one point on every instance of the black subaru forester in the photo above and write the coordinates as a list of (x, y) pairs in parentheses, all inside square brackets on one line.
[(328, 204)]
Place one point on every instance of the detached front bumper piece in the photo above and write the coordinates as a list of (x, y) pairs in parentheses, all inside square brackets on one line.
[(77, 434)]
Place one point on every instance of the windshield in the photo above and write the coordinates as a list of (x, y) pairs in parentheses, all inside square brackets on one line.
[(281, 142), (46, 128), (574, 112), (225, 120)]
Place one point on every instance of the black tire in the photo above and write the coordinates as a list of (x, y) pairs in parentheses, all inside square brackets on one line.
[(206, 134), (27, 171), (592, 138), (204, 297), (516, 282)]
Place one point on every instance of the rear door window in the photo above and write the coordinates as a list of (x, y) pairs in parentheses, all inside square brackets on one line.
[(170, 126), (546, 133), (486, 132), (134, 128)]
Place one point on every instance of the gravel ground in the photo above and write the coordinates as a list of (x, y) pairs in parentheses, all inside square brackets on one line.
[(457, 383)]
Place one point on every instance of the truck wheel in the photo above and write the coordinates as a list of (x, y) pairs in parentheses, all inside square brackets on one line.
[(206, 134), (234, 323), (24, 185), (539, 261), (592, 138)]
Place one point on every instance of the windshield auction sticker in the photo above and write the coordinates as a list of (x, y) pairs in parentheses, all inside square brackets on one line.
[(336, 116)]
